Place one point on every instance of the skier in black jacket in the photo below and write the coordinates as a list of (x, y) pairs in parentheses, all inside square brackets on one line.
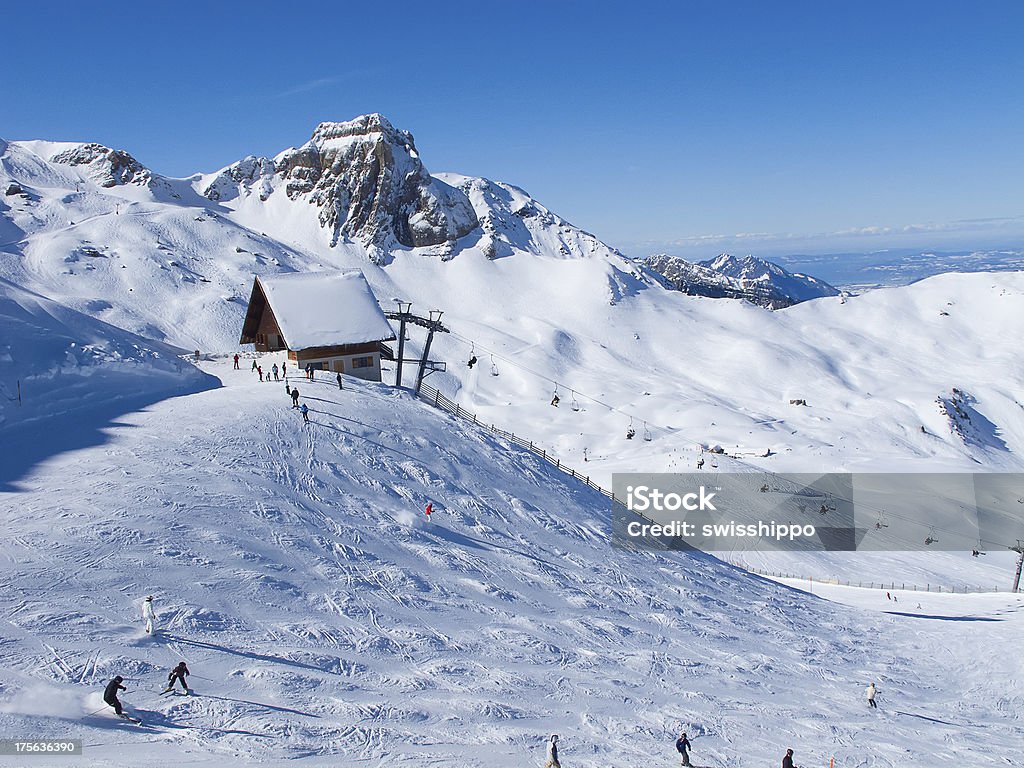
[(180, 672), (110, 693), (682, 745), (787, 761)]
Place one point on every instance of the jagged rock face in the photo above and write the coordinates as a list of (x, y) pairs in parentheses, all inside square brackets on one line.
[(109, 167), (250, 172), (368, 182), (755, 280)]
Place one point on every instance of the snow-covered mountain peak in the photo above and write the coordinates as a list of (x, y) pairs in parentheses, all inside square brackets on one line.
[(107, 167), (367, 181)]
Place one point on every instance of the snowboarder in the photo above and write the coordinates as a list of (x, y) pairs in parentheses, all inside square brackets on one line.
[(259, 370), (149, 614), (871, 691), (553, 752), (305, 413), (682, 746), (787, 761), (295, 397), (180, 672), (429, 510), (339, 382), (236, 362), (110, 695), (274, 369)]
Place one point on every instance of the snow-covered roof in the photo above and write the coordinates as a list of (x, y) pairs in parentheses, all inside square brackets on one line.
[(324, 309)]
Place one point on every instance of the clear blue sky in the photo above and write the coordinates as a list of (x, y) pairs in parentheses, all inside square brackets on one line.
[(650, 124)]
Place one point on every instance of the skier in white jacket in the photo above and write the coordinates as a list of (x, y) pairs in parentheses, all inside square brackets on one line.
[(553, 752), (149, 614), (871, 691)]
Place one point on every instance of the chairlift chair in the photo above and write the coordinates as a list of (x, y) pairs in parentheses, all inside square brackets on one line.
[(554, 397), (494, 367), (630, 432), (647, 433), (574, 404)]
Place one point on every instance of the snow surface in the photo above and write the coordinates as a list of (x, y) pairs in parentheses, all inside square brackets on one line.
[(322, 309), (325, 622)]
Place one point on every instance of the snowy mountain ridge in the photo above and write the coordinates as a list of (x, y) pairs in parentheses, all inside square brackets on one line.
[(761, 282)]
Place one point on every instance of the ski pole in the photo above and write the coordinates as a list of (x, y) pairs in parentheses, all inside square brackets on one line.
[(96, 712)]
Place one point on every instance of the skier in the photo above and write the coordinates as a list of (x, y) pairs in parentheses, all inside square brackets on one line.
[(284, 370), (553, 752), (305, 413), (888, 596), (295, 397), (682, 745), (196, 353), (236, 362), (429, 510), (149, 614), (110, 694), (254, 365), (339, 382), (180, 672), (787, 761), (871, 691), (274, 369), (259, 370), (309, 371)]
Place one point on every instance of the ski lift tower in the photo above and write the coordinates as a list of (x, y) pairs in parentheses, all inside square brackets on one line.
[(432, 324), (1019, 549)]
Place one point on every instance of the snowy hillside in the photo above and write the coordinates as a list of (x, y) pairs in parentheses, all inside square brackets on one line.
[(326, 623)]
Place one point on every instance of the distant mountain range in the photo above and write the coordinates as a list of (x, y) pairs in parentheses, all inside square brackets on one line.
[(727, 277)]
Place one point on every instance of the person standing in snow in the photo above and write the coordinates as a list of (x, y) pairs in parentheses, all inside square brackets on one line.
[(787, 761), (259, 370), (254, 365), (305, 413), (284, 369), (871, 691), (180, 672), (682, 747), (110, 694), (274, 369), (553, 752), (309, 371), (295, 397), (339, 382), (149, 615), (236, 362), (429, 510)]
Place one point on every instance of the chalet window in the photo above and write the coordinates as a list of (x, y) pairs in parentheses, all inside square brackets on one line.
[(362, 362)]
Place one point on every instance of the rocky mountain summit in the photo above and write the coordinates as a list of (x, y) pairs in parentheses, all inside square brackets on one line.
[(367, 181)]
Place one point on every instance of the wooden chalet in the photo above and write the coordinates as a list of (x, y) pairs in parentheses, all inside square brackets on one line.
[(330, 320)]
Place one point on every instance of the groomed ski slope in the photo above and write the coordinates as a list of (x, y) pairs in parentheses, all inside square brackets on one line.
[(326, 623)]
